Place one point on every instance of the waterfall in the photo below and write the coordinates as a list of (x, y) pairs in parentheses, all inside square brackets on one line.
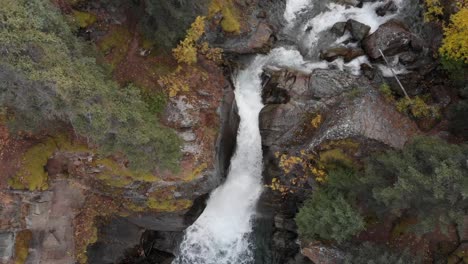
[(222, 234)]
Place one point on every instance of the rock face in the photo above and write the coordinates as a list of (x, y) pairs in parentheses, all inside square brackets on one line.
[(347, 107), (366, 115), (48, 216)]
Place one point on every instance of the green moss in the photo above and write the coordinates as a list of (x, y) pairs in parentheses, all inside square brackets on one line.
[(32, 175), (169, 205), (386, 91), (116, 44), (331, 157), (116, 175), (22, 241), (84, 19)]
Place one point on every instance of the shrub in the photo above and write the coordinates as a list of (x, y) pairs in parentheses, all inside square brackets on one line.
[(186, 51), (429, 177), (230, 22), (327, 215), (434, 10), (417, 107), (84, 19), (455, 42)]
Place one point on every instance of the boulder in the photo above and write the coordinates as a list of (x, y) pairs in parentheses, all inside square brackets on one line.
[(329, 83), (339, 28), (392, 37), (257, 41), (348, 54), (357, 29), (388, 7), (323, 254)]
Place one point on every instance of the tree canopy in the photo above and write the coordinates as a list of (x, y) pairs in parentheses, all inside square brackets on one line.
[(49, 75)]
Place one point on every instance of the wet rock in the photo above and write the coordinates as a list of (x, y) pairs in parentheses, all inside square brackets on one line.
[(283, 222), (357, 29), (339, 28), (323, 254), (367, 71), (388, 7), (257, 41), (159, 221), (114, 238), (407, 57), (347, 53), (167, 241), (272, 94), (391, 37), (329, 83)]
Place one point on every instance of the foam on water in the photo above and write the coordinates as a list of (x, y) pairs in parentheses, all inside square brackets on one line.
[(340, 13), (294, 7)]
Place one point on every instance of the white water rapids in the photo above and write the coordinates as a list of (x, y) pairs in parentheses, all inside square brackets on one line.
[(222, 234)]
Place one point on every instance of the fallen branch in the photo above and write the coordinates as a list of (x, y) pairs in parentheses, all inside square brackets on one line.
[(395, 75)]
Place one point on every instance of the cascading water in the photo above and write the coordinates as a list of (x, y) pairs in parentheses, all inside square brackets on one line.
[(222, 234)]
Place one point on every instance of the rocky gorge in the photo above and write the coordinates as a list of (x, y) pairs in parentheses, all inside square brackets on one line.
[(92, 207)]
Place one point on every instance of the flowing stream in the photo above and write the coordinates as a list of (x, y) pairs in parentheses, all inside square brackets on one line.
[(222, 234)]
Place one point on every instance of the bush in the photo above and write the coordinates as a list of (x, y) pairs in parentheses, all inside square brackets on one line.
[(48, 75), (327, 215), (455, 42), (230, 22), (429, 178), (186, 51), (417, 107)]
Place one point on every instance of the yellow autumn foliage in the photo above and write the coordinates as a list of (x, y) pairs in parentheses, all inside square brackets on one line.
[(455, 42), (316, 121), (434, 10), (186, 51)]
